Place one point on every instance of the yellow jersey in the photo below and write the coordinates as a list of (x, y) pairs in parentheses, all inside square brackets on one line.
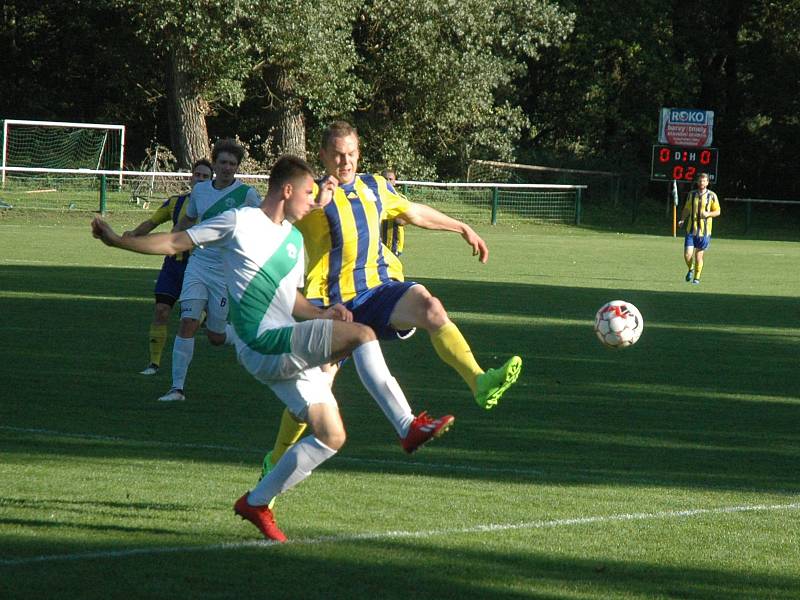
[(346, 255), (709, 202), (172, 209)]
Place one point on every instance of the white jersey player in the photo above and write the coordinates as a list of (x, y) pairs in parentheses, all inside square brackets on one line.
[(263, 262), (204, 281)]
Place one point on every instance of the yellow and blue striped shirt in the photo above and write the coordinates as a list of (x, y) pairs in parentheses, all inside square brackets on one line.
[(172, 209), (393, 234), (709, 202), (343, 240)]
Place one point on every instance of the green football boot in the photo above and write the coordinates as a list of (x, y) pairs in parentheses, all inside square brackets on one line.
[(493, 383), (266, 467)]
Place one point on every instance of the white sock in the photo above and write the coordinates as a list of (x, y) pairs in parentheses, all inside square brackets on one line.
[(230, 334), (375, 376), (294, 466), (182, 353)]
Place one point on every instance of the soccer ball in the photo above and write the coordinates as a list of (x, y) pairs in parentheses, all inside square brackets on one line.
[(618, 324)]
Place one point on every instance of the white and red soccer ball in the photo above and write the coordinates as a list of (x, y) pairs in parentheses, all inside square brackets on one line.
[(618, 324)]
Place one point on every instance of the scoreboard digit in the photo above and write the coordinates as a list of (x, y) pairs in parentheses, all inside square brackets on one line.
[(681, 164)]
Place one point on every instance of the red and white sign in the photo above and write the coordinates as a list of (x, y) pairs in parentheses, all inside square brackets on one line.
[(687, 127)]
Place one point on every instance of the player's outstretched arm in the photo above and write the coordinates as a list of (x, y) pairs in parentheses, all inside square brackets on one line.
[(142, 228), (156, 243), (426, 217)]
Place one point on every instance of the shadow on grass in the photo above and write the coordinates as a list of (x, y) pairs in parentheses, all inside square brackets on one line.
[(402, 569), (54, 524), (701, 404)]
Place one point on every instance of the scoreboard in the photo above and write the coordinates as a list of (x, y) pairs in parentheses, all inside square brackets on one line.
[(682, 164)]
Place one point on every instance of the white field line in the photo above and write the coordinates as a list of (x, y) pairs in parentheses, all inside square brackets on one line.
[(383, 535), (261, 451)]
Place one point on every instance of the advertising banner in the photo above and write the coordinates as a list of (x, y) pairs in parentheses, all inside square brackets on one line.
[(687, 127)]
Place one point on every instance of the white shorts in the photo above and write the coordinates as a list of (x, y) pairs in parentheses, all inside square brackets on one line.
[(204, 288), (296, 377)]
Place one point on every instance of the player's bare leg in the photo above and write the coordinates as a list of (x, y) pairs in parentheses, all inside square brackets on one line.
[(419, 308), (688, 258), (328, 436)]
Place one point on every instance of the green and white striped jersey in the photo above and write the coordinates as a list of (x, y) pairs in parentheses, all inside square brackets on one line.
[(263, 263), (206, 202)]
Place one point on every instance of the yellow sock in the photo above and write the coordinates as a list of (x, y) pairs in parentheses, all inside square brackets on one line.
[(290, 431), (697, 270), (158, 337), (454, 350)]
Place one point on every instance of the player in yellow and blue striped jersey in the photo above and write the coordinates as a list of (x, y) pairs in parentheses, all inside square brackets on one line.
[(349, 264), (699, 211)]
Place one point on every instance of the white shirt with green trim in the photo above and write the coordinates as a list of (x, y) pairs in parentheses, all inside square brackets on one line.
[(206, 202), (264, 264)]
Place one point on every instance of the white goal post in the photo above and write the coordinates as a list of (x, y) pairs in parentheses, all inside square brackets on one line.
[(30, 144)]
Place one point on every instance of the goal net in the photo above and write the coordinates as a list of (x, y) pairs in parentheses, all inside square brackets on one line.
[(603, 184), (495, 202), (31, 146)]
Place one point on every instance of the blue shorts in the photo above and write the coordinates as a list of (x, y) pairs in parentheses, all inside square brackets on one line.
[(374, 307), (170, 280), (698, 242)]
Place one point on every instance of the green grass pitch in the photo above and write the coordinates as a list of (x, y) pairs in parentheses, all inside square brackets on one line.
[(666, 470)]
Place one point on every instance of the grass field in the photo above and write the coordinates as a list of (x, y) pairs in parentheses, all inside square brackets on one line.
[(668, 470)]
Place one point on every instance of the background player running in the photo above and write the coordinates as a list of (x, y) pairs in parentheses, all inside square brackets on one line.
[(170, 278)]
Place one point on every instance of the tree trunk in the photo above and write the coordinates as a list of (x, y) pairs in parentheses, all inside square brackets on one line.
[(290, 134), (187, 112)]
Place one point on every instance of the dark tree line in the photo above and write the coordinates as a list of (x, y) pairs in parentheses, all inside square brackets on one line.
[(431, 86)]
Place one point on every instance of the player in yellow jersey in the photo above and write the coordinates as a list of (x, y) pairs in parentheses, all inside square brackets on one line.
[(348, 264), (701, 207), (170, 278)]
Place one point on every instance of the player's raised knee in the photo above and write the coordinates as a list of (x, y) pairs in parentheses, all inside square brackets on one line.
[(363, 333), (349, 336), (333, 439), (433, 313)]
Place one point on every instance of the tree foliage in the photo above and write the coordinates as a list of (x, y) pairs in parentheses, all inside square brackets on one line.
[(432, 83), (213, 33), (596, 98), (304, 55), (441, 75), (89, 67), (312, 42)]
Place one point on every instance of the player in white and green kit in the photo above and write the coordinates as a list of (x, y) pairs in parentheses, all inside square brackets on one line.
[(204, 281), (263, 259)]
